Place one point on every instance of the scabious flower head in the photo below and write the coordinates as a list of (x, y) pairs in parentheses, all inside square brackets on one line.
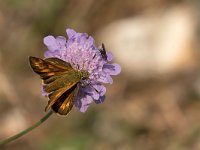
[(80, 51)]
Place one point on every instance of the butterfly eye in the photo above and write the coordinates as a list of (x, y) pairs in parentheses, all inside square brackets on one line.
[(84, 75), (83, 78)]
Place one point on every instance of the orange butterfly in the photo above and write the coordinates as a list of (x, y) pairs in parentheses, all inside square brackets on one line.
[(60, 81)]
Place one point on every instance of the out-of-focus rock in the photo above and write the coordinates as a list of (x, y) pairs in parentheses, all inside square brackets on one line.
[(153, 45), (7, 88), (12, 123)]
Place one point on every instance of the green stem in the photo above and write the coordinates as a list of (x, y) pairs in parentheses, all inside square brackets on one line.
[(16, 136)]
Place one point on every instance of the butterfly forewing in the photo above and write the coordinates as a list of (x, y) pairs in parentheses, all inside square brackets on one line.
[(59, 63), (48, 67)]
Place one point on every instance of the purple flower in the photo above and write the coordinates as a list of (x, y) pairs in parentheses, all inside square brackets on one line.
[(80, 51)]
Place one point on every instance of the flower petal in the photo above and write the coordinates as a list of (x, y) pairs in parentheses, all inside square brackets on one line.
[(50, 42), (61, 41), (112, 69), (100, 100), (83, 101), (86, 101), (100, 88), (105, 78), (70, 33), (90, 41), (43, 92), (55, 53), (109, 56), (91, 91)]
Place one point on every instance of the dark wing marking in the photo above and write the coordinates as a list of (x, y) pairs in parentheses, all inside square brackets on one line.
[(56, 95), (59, 63), (65, 102)]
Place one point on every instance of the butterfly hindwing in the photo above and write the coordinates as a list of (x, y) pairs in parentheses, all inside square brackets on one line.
[(60, 81), (54, 96), (65, 102)]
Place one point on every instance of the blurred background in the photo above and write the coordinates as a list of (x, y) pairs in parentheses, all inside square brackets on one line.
[(154, 104)]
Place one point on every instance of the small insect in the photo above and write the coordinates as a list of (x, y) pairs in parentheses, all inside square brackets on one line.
[(60, 81), (103, 52)]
